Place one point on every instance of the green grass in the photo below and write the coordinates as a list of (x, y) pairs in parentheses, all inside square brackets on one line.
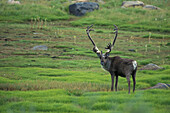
[(61, 101), (33, 10), (158, 36), (67, 77), (47, 78), (139, 19)]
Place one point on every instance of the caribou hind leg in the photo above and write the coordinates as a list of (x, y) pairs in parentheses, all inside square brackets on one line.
[(128, 80), (134, 79)]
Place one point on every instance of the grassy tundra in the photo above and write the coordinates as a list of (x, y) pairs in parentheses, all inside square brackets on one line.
[(68, 77)]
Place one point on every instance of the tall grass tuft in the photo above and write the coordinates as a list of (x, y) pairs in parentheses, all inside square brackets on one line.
[(75, 88)]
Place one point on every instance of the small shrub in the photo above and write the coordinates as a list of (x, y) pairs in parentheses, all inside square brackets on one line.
[(168, 44)]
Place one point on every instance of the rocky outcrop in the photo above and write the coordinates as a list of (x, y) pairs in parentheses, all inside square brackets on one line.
[(81, 8), (151, 7), (151, 67), (13, 2), (99, 1), (40, 47), (126, 4), (160, 86)]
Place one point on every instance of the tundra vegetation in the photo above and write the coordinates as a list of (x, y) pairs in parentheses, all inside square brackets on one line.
[(67, 77)]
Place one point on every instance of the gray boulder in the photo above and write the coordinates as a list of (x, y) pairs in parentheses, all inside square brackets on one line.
[(151, 67), (132, 50), (126, 4), (40, 47), (160, 86), (13, 2), (151, 7), (81, 8), (100, 1)]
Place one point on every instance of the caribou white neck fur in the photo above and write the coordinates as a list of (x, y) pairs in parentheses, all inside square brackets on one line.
[(134, 64)]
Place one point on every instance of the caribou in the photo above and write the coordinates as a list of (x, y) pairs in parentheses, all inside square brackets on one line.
[(116, 65)]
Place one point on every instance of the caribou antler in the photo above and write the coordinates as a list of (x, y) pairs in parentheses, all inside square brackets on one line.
[(88, 33), (110, 46), (116, 32), (95, 49)]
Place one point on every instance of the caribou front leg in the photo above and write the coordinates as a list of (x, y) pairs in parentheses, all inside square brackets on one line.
[(116, 83), (112, 84)]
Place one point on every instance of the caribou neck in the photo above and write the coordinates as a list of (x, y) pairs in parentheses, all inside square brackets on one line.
[(107, 64)]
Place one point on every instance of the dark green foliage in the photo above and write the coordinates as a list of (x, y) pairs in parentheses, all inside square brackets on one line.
[(168, 44)]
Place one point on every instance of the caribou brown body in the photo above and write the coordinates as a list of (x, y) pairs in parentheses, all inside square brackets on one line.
[(116, 66)]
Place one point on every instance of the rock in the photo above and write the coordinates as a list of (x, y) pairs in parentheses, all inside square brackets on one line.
[(13, 2), (33, 60), (79, 1), (151, 67), (46, 54), (38, 33), (40, 47), (126, 4), (151, 7), (7, 39), (81, 8), (132, 50), (54, 57), (100, 1), (160, 86), (75, 1), (36, 37)]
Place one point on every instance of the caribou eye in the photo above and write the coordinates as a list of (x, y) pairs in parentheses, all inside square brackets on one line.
[(106, 55)]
